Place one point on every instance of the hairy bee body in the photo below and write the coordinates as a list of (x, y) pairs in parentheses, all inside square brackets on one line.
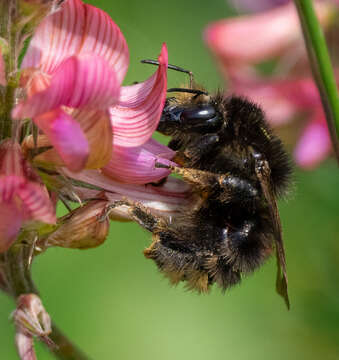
[(230, 231), (237, 168)]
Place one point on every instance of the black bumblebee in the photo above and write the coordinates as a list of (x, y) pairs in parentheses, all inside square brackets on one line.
[(237, 168)]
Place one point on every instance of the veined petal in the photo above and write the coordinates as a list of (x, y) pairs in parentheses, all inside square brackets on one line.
[(136, 165), (137, 115), (77, 29), (36, 204), (77, 82), (9, 184), (66, 136), (173, 191), (97, 128), (314, 144), (10, 223)]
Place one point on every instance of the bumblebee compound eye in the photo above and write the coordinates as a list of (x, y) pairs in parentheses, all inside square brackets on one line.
[(197, 118)]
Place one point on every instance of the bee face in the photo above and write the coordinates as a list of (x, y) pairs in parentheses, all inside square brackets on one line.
[(197, 118)]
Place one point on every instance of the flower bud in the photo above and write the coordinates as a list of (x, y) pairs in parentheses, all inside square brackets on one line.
[(31, 320), (85, 227)]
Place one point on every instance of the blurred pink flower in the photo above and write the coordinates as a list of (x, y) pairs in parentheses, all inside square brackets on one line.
[(72, 73), (290, 92), (257, 5), (22, 197)]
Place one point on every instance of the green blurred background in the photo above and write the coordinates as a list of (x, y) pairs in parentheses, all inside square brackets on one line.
[(113, 302)]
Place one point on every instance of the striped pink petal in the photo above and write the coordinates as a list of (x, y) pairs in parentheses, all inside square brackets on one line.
[(174, 191), (35, 203), (136, 165), (77, 29), (77, 82), (9, 184), (137, 115), (67, 137), (97, 127), (315, 144), (10, 223)]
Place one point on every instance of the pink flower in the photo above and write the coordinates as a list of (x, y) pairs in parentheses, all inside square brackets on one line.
[(290, 92), (257, 5), (73, 71), (22, 197)]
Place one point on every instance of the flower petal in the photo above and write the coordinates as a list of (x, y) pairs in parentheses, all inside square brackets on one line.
[(314, 144), (270, 32), (173, 191), (137, 115), (77, 28), (97, 128), (255, 38), (10, 223), (77, 82), (258, 5), (67, 137), (136, 165), (36, 203)]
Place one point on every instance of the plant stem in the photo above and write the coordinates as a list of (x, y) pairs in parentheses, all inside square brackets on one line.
[(19, 278), (321, 67)]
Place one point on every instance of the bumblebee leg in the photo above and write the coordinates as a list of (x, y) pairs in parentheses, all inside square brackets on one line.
[(144, 217)]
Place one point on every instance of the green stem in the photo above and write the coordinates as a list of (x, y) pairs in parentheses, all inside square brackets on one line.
[(8, 17), (18, 276), (321, 67)]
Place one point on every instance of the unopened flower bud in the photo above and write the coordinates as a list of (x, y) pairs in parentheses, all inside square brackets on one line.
[(31, 317), (83, 228), (31, 320)]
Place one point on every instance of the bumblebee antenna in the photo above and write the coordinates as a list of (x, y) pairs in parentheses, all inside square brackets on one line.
[(191, 91), (172, 67)]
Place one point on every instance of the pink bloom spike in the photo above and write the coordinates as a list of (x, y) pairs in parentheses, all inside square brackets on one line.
[(270, 33), (251, 39), (314, 144), (66, 135), (137, 115), (137, 165), (78, 82), (77, 29)]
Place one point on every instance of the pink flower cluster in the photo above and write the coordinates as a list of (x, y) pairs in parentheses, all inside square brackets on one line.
[(241, 44), (89, 123)]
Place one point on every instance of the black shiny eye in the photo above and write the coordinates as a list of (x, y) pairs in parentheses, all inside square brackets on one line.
[(200, 118), (196, 118), (197, 113)]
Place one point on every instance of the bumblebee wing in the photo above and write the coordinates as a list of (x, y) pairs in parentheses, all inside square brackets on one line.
[(263, 173)]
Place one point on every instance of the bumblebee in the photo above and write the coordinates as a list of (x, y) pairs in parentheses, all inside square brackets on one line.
[(237, 169)]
